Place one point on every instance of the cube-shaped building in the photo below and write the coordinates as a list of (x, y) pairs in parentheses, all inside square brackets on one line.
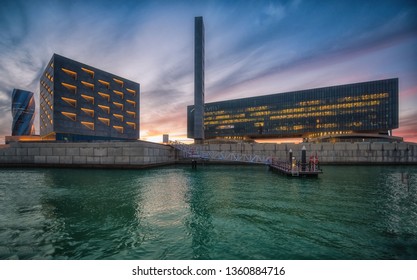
[(81, 103)]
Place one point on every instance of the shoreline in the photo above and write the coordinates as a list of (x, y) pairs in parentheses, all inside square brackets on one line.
[(142, 154)]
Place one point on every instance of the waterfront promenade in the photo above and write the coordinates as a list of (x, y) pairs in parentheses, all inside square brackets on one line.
[(328, 153), (141, 154), (124, 154)]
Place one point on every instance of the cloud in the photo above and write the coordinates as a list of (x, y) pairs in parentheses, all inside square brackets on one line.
[(245, 64), (274, 11), (408, 127), (252, 48)]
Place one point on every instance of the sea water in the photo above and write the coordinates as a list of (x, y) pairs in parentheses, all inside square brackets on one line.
[(213, 212)]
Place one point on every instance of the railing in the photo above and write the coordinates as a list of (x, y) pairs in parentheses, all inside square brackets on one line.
[(296, 167), (191, 151)]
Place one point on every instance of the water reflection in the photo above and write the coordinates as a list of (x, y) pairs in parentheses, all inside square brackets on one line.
[(215, 212), (397, 199), (159, 212), (199, 222), (22, 217), (89, 209)]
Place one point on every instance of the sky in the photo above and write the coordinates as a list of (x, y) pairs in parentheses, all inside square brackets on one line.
[(252, 48)]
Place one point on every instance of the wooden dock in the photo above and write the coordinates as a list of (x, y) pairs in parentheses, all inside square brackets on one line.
[(294, 170)]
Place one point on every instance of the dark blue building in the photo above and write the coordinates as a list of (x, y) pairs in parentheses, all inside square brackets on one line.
[(81, 103), (360, 109), (198, 120), (23, 111)]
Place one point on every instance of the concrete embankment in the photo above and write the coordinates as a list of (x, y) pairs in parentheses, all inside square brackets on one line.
[(138, 154), (328, 153), (141, 154)]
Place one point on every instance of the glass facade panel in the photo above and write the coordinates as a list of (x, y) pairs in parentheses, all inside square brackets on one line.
[(23, 111), (368, 107)]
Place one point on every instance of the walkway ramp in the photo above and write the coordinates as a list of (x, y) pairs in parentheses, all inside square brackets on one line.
[(196, 152)]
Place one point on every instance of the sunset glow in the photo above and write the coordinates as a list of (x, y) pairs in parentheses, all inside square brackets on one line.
[(252, 48)]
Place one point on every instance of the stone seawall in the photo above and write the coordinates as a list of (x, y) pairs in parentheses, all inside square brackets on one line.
[(329, 153), (100, 154), (142, 154)]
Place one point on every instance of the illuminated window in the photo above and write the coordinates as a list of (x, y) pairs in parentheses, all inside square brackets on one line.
[(131, 114), (119, 82), (69, 115), (104, 83), (88, 98), (88, 71), (70, 101), (88, 85), (88, 112), (118, 105), (105, 121), (120, 129), (71, 88), (89, 125), (131, 102), (131, 124), (105, 95), (258, 108), (105, 108), (70, 73), (119, 93), (133, 92), (119, 117)]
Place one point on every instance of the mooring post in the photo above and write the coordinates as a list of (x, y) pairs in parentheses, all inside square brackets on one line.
[(290, 153), (303, 158)]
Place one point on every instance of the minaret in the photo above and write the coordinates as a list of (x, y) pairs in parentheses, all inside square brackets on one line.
[(199, 81)]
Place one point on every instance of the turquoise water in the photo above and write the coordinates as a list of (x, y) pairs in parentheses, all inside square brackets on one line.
[(214, 212)]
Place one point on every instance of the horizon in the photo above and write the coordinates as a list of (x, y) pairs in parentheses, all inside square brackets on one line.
[(253, 49)]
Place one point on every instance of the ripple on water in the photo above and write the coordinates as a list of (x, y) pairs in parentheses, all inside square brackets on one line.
[(214, 212)]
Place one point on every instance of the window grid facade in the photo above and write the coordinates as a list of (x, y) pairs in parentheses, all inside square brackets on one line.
[(80, 102), (23, 111), (368, 107)]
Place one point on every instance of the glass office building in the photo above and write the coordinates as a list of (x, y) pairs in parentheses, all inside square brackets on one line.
[(81, 103), (360, 108), (23, 111)]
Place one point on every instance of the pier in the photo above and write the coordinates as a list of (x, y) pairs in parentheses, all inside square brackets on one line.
[(340, 153), (295, 170), (292, 167)]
